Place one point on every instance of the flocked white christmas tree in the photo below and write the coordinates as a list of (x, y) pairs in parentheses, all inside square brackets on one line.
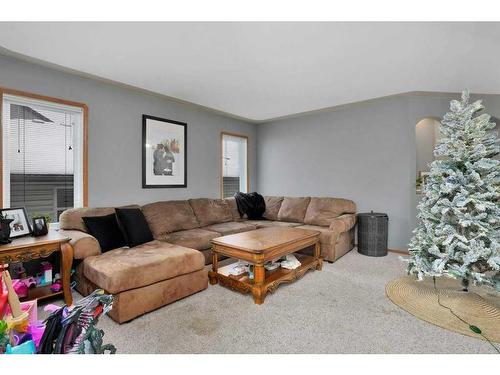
[(459, 230)]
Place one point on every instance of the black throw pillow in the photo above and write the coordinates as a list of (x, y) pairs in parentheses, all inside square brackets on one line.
[(134, 225), (106, 230)]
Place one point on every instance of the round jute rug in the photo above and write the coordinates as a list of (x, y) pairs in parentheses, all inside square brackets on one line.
[(479, 307)]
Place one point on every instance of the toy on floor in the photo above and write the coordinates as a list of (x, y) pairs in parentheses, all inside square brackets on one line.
[(22, 286), (20, 330), (57, 283), (74, 331), (17, 316), (46, 269), (27, 347)]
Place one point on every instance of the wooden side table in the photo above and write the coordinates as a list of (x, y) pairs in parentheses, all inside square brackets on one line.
[(28, 248)]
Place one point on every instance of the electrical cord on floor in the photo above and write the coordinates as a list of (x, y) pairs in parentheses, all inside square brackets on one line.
[(472, 327)]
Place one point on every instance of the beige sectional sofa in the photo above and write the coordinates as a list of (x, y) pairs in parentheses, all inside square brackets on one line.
[(172, 266)]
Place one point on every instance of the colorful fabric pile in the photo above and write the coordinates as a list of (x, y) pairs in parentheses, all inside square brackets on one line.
[(67, 329)]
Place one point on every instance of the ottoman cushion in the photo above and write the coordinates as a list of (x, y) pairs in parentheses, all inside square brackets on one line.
[(124, 269)]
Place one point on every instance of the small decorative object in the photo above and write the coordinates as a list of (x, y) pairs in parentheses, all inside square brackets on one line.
[(39, 226), (4, 229), (19, 225), (164, 153), (458, 232)]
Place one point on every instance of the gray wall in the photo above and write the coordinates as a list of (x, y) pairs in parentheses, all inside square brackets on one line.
[(115, 133), (365, 152)]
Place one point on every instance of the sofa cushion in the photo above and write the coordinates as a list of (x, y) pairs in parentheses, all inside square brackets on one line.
[(72, 218), (106, 230), (211, 211), (199, 239), (273, 205), (326, 236), (134, 226), (125, 269), (169, 216), (343, 223), (293, 209), (234, 209), (271, 223), (84, 245), (321, 211), (230, 227)]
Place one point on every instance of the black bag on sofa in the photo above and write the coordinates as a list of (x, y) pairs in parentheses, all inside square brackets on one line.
[(252, 204)]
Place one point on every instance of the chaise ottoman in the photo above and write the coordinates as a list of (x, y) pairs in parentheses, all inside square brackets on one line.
[(143, 278)]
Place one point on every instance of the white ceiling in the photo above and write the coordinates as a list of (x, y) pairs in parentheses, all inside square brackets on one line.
[(261, 71)]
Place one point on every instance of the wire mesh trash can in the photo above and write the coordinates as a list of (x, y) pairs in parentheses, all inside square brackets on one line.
[(372, 233)]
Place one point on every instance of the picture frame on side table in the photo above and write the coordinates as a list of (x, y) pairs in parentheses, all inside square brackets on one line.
[(20, 225), (164, 153), (40, 226)]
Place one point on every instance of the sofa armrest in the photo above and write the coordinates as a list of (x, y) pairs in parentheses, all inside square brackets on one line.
[(343, 223), (84, 245)]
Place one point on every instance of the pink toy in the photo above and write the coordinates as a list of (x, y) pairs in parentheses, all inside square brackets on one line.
[(20, 288), (56, 287), (29, 281), (51, 308), (36, 331)]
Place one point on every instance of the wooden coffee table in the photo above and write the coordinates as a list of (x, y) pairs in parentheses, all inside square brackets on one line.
[(257, 247)]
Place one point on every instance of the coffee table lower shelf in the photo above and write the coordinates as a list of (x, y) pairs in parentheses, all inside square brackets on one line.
[(272, 279)]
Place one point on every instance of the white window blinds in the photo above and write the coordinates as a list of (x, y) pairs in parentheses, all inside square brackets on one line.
[(42, 156)]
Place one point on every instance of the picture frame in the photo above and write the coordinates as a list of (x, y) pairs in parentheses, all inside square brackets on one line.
[(39, 226), (164, 153), (20, 225)]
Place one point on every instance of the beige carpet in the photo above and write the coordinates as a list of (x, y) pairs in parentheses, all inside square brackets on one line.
[(478, 307), (342, 309)]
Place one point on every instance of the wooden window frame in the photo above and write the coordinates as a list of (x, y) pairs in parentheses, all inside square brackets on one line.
[(222, 134), (85, 112)]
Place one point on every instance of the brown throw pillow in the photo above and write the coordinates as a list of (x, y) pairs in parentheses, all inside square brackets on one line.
[(293, 209)]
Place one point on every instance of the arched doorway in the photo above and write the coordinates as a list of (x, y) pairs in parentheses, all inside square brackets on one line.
[(426, 136)]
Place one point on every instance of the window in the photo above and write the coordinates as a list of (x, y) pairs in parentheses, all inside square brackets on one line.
[(234, 164), (43, 155)]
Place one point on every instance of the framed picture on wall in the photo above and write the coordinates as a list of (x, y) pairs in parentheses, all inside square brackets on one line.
[(164, 153)]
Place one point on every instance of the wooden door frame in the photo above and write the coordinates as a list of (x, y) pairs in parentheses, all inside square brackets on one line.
[(85, 111), (221, 171)]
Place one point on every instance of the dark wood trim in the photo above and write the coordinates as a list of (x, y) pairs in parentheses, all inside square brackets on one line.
[(221, 164), (144, 119), (85, 110)]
